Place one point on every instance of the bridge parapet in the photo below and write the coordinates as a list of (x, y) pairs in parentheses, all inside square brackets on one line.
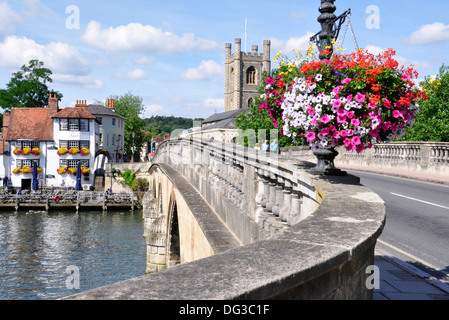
[(299, 236), (411, 157), (268, 189)]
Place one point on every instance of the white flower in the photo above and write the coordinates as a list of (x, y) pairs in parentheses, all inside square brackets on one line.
[(319, 77)]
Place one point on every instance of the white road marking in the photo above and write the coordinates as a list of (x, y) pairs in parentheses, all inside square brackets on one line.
[(426, 202)]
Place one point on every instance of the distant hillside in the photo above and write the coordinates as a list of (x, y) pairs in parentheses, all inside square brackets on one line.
[(160, 125)]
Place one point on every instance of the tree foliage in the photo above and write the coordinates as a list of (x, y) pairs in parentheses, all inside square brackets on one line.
[(28, 87), (256, 125), (160, 125), (431, 123), (131, 107)]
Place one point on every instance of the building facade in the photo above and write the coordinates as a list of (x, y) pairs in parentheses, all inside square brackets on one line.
[(243, 74), (58, 140), (111, 130)]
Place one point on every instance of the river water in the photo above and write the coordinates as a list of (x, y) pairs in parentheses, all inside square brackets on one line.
[(46, 256)]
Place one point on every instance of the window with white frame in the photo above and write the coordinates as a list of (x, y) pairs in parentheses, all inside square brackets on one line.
[(28, 163), (74, 144), (73, 163)]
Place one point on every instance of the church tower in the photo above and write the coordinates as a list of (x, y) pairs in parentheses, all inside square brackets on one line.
[(243, 74)]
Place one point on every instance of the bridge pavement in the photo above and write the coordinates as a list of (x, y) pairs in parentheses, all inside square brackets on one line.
[(401, 281)]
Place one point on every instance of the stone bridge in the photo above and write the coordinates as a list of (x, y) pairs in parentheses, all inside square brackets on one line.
[(228, 222)]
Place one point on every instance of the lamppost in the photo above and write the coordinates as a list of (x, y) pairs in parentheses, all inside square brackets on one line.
[(327, 10), (330, 28), (132, 157)]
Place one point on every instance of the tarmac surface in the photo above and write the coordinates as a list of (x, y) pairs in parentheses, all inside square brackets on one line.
[(398, 279)]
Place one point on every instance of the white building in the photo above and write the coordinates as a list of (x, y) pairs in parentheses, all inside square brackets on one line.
[(57, 140), (112, 130)]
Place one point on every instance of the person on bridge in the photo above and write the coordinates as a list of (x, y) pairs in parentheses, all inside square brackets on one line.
[(274, 146), (265, 146)]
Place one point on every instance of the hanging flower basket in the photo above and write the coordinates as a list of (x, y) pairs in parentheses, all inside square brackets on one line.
[(85, 171), (353, 100)]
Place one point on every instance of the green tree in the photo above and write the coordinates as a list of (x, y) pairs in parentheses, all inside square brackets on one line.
[(257, 125), (28, 87), (131, 107), (431, 122)]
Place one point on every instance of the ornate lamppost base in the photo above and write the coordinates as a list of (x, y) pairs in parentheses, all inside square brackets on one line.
[(325, 164)]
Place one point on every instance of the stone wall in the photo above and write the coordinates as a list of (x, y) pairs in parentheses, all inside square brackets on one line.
[(318, 245)]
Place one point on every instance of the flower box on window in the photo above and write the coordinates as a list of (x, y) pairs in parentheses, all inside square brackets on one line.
[(84, 151), (74, 150), (36, 151), (62, 151), (62, 170), (25, 170)]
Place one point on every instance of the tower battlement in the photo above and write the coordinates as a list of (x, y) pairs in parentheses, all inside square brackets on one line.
[(243, 73)]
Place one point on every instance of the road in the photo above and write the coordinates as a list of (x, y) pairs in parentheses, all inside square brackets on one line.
[(417, 223)]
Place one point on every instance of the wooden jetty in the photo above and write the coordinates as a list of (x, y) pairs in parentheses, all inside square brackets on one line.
[(77, 200)]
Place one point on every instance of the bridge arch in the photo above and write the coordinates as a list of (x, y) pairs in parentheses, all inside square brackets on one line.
[(170, 203)]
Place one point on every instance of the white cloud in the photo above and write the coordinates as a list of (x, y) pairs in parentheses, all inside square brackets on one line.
[(135, 74), (291, 45), (79, 81), (430, 33), (8, 19), (58, 57), (145, 60), (136, 37), (214, 103), (153, 110), (206, 70)]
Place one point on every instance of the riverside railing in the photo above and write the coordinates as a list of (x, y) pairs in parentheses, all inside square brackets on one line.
[(71, 199)]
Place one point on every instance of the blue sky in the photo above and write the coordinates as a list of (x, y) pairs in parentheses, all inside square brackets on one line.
[(171, 53)]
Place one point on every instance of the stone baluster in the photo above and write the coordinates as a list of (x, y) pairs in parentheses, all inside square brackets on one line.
[(272, 193), (285, 210), (295, 212), (279, 197), (266, 188)]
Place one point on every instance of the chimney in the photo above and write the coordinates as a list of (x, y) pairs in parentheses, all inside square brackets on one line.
[(110, 103), (53, 107), (81, 103)]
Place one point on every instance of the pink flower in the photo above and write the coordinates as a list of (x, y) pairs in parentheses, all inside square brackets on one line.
[(269, 81), (397, 114), (341, 119), (360, 97), (336, 135), (350, 114), (343, 133), (346, 81), (347, 142), (356, 140), (405, 77), (311, 111), (310, 136), (325, 119), (325, 132), (337, 103), (355, 122), (372, 105)]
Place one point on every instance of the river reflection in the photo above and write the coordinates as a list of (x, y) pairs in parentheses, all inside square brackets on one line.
[(37, 248)]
